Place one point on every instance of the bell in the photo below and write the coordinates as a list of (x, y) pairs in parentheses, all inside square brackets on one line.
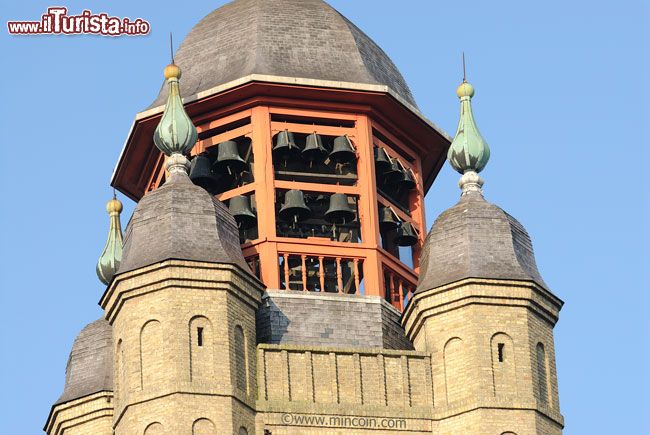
[(314, 150), (228, 158), (240, 207), (202, 175), (285, 145), (406, 235), (342, 151), (294, 208), (387, 220), (406, 180), (382, 161), (339, 211), (394, 174)]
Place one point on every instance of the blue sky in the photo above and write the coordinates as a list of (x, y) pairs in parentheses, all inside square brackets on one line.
[(561, 91)]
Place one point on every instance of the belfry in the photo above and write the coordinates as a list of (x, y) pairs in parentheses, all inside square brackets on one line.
[(277, 276)]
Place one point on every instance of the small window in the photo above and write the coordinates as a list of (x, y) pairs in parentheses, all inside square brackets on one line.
[(500, 350), (199, 335)]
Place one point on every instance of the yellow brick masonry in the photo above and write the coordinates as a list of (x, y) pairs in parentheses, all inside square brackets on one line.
[(156, 388), (91, 414), (460, 326), (475, 370)]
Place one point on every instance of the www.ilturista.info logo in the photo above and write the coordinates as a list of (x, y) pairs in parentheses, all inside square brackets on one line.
[(56, 21)]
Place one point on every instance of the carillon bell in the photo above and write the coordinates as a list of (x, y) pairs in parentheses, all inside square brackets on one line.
[(285, 145), (342, 150), (382, 161), (394, 173), (228, 158), (406, 180), (339, 211), (406, 235), (294, 208), (387, 220), (240, 207), (202, 175), (314, 150)]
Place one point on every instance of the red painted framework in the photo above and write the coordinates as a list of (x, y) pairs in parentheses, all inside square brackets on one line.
[(420, 147)]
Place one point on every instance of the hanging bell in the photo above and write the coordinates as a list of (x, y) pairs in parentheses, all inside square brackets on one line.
[(339, 211), (228, 159), (240, 207), (382, 161), (285, 146), (406, 180), (294, 208), (342, 151), (387, 220), (394, 173), (202, 175), (314, 150), (406, 235)]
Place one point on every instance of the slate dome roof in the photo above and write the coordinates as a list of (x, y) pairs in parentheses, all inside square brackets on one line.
[(476, 239), (90, 365), (181, 221), (305, 39)]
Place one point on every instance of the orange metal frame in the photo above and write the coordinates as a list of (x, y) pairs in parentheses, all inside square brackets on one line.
[(268, 246)]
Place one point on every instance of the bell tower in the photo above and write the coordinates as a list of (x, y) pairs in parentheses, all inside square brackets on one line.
[(326, 178)]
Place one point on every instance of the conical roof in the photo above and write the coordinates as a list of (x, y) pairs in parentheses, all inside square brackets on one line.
[(180, 221), (476, 239), (90, 365), (305, 39)]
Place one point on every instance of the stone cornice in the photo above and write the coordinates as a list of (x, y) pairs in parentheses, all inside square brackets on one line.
[(474, 291), (179, 274), (53, 426)]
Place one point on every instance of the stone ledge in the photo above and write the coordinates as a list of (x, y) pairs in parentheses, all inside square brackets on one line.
[(93, 406), (180, 274), (471, 291)]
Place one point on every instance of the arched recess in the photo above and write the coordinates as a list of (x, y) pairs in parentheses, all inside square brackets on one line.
[(241, 366), (203, 426), (152, 353), (120, 372), (508, 433), (201, 349), (543, 385), (455, 373), (154, 429), (243, 431), (504, 373)]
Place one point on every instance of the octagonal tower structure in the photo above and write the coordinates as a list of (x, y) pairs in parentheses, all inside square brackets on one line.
[(260, 74)]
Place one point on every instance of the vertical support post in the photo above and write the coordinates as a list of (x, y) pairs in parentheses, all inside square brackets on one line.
[(391, 284), (265, 194), (303, 257), (416, 204), (321, 274), (400, 288), (357, 282), (339, 275), (286, 271), (368, 213)]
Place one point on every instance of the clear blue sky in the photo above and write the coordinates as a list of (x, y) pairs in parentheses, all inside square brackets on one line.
[(561, 97)]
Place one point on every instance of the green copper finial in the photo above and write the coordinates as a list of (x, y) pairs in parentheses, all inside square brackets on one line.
[(175, 134), (111, 257), (468, 151)]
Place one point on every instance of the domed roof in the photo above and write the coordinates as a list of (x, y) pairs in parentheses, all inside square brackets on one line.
[(287, 39), (90, 365), (476, 239), (180, 221)]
